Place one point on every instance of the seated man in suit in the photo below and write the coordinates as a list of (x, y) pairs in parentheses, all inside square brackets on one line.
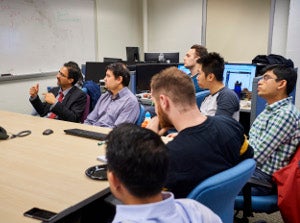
[(190, 61), (65, 102), (204, 145), (275, 133), (118, 104), (137, 162), (221, 100)]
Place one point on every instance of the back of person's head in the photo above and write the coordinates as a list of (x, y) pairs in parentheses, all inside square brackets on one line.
[(213, 63), (175, 84), (120, 70), (74, 71), (138, 157), (200, 51), (283, 72)]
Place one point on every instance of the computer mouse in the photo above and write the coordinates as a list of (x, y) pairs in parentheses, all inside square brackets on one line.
[(47, 131)]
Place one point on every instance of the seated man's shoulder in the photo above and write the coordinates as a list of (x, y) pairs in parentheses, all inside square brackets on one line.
[(226, 92)]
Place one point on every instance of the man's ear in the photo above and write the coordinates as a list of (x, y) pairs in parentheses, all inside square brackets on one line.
[(164, 101), (113, 180), (282, 84), (210, 77), (120, 79), (70, 80), (115, 185)]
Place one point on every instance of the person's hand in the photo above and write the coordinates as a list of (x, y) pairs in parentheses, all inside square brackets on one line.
[(49, 98), (34, 90), (154, 126)]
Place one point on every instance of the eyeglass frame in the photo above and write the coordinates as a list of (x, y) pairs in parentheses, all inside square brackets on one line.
[(267, 77), (62, 74)]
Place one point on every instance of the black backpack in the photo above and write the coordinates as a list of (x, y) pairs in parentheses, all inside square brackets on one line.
[(272, 59)]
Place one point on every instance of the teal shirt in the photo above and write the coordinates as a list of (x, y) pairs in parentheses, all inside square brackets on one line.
[(194, 79), (274, 135)]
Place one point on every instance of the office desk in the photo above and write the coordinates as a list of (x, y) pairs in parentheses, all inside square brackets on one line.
[(245, 111), (46, 171)]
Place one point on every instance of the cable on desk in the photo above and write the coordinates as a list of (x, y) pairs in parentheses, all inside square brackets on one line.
[(21, 134)]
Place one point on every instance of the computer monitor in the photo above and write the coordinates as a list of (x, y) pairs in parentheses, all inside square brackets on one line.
[(144, 73), (243, 73), (132, 54), (183, 68), (167, 57), (111, 59), (95, 71)]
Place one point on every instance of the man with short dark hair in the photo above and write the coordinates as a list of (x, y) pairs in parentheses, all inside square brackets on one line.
[(221, 100), (275, 133), (204, 145), (190, 61), (137, 161), (65, 102), (118, 104)]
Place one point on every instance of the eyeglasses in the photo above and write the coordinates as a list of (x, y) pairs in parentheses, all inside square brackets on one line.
[(267, 77), (63, 75)]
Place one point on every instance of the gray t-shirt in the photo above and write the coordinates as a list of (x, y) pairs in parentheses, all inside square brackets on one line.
[(223, 102)]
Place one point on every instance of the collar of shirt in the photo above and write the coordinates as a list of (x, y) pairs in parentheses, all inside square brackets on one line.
[(278, 104), (120, 94), (147, 211), (65, 92)]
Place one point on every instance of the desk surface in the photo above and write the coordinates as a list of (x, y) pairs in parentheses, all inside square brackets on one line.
[(46, 171), (245, 106)]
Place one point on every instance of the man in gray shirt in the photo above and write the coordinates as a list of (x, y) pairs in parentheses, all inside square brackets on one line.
[(221, 100), (118, 105)]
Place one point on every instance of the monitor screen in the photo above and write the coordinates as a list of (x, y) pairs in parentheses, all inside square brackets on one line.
[(144, 73), (132, 54), (243, 73), (183, 68), (95, 71), (167, 57)]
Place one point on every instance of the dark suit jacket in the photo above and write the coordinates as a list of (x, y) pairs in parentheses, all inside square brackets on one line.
[(70, 109)]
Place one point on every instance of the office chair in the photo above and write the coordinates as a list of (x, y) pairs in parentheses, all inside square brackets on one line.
[(269, 203), (86, 109), (249, 203), (218, 192), (141, 116)]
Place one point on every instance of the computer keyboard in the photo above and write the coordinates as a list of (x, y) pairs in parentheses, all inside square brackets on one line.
[(86, 134)]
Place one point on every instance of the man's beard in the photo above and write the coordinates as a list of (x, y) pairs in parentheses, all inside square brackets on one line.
[(164, 120)]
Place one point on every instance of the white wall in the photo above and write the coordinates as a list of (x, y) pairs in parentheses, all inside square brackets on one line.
[(238, 29), (119, 24), (280, 27), (174, 25), (15, 94), (293, 43)]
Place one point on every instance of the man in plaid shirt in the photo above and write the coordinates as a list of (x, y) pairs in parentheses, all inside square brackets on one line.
[(275, 133)]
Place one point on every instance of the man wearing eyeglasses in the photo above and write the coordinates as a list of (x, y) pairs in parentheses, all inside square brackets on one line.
[(275, 133), (65, 102)]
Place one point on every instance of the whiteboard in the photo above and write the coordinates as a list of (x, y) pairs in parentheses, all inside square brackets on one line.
[(38, 36)]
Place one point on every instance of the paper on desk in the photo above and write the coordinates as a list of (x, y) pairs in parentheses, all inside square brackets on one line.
[(102, 158)]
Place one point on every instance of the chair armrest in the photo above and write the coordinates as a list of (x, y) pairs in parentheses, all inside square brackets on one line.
[(255, 182)]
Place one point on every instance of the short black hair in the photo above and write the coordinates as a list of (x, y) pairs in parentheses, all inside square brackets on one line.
[(283, 72), (120, 69), (213, 63), (74, 71), (138, 157)]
